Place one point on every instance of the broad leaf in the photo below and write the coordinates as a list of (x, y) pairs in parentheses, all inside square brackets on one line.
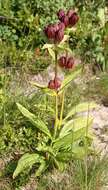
[(64, 156), (26, 161), (35, 121), (67, 141), (72, 132), (82, 107), (59, 164), (41, 168), (75, 124), (44, 148), (69, 78)]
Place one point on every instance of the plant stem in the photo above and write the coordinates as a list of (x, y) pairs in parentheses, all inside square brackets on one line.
[(56, 116), (56, 68), (86, 150), (56, 98), (62, 109)]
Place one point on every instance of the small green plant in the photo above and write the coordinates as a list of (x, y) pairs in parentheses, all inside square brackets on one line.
[(68, 136)]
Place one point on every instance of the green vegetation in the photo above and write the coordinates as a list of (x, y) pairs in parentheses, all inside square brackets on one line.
[(49, 78)]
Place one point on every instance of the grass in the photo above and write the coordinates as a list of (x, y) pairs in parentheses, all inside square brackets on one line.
[(72, 178)]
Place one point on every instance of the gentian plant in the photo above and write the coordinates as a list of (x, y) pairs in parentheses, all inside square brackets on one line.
[(70, 137)]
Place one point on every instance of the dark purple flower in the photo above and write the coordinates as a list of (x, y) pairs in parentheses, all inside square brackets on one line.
[(65, 20), (54, 84), (55, 32), (70, 13), (73, 17), (70, 63), (61, 25), (62, 61), (50, 31), (59, 35), (61, 14), (66, 62)]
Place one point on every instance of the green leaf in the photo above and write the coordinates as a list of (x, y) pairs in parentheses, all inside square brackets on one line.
[(66, 37), (69, 78), (82, 107), (101, 16), (46, 46), (52, 53), (41, 168), (45, 89), (75, 124), (64, 156), (59, 164), (72, 131), (37, 85), (50, 50), (79, 152), (44, 148), (50, 92), (26, 161), (36, 122)]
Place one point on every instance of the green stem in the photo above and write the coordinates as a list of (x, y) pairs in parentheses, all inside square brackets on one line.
[(62, 109), (56, 99), (56, 66), (86, 151), (56, 117)]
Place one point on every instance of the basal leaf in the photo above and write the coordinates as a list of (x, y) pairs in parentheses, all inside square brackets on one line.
[(26, 161), (35, 121), (71, 132), (75, 124), (41, 168), (82, 107)]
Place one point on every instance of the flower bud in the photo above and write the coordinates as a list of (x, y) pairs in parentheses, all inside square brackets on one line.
[(62, 61), (57, 83), (50, 31), (73, 19), (61, 26), (61, 14), (51, 84), (59, 36), (65, 20), (56, 27), (54, 84), (70, 63), (70, 13)]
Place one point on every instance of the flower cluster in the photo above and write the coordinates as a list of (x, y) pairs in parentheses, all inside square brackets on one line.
[(66, 62), (55, 32), (69, 19)]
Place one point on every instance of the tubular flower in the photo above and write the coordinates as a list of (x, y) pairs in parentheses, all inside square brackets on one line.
[(66, 62), (61, 14), (54, 84), (73, 17), (55, 32)]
